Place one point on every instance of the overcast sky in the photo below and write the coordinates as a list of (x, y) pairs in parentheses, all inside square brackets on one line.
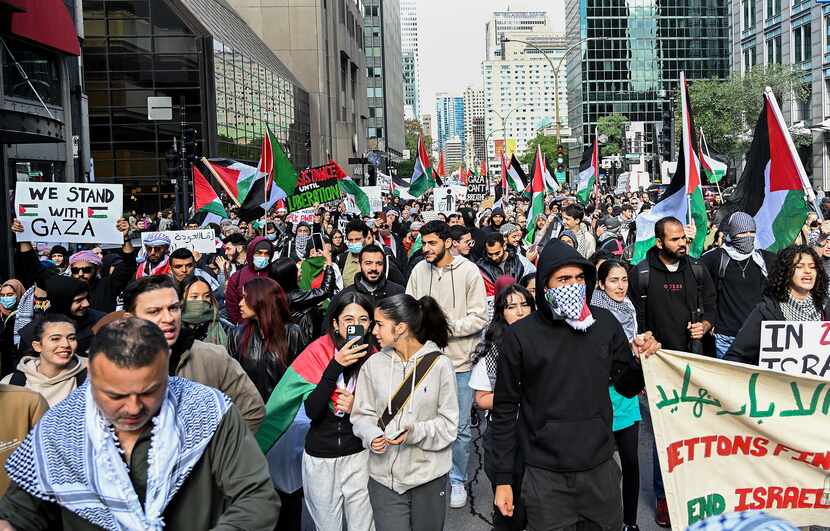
[(452, 41)]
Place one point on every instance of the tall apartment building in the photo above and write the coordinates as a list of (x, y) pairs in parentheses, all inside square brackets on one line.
[(454, 153), (385, 86), (411, 59), (797, 34), (520, 95), (449, 117), (511, 21), (321, 43), (426, 125), (473, 126), (631, 56)]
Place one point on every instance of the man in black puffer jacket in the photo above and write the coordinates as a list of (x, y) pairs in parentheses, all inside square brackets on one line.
[(552, 402)]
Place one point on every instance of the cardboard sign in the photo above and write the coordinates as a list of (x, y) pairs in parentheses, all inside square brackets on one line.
[(69, 212), (199, 240), (316, 186), (444, 200), (476, 188), (796, 346), (299, 216), (375, 195), (733, 437)]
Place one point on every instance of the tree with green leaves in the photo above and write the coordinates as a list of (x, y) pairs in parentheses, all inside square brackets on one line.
[(412, 130), (548, 145), (612, 126)]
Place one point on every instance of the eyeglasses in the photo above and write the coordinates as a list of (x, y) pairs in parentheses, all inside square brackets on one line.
[(156, 248), (85, 270)]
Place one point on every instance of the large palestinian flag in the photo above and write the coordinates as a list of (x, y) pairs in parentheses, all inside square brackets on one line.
[(588, 173), (235, 177), (276, 179), (516, 177), (537, 196), (713, 168), (684, 198), (773, 185), (422, 175), (207, 208)]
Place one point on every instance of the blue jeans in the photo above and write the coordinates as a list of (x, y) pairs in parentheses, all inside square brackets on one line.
[(461, 446), (723, 344)]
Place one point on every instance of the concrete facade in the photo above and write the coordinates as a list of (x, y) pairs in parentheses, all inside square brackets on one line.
[(411, 59), (511, 21), (385, 82), (473, 126)]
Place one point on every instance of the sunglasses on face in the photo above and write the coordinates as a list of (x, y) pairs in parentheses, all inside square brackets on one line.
[(85, 270)]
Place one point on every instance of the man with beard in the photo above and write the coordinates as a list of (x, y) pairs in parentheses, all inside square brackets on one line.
[(384, 236), (70, 297), (371, 280), (740, 273), (675, 300), (499, 260), (496, 219), (456, 284), (156, 257)]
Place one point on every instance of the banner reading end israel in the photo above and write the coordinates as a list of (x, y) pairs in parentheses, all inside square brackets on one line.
[(734, 437)]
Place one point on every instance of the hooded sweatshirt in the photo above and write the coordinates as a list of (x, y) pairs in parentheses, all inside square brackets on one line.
[(233, 291), (551, 395), (431, 414), (61, 291), (459, 290), (53, 389)]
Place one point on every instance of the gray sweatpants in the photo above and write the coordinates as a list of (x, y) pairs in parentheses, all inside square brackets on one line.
[(422, 508), (335, 491)]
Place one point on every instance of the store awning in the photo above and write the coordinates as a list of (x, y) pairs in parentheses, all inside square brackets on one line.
[(46, 22)]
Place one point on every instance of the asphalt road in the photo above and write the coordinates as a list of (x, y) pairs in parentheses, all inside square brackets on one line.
[(477, 515)]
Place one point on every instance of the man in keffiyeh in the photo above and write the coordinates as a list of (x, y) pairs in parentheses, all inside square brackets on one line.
[(136, 449), (553, 375), (156, 255)]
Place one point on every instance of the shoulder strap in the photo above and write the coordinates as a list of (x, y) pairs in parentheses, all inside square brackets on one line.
[(18, 378), (642, 279), (724, 263), (402, 395), (80, 378)]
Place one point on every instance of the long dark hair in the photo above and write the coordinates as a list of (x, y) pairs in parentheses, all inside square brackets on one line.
[(284, 272), (778, 287), (423, 316), (495, 330), (267, 300), (339, 304)]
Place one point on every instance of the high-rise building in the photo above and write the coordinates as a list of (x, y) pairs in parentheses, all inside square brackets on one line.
[(631, 57), (511, 21), (453, 153), (385, 88), (321, 43), (787, 33), (426, 125), (449, 116), (520, 94), (411, 59), (473, 126)]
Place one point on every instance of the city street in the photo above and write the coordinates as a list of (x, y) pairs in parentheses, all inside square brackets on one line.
[(479, 506)]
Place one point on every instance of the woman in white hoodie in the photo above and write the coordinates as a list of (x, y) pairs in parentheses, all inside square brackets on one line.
[(56, 371), (406, 413)]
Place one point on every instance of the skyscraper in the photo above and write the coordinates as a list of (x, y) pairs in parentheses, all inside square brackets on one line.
[(473, 126), (511, 21), (426, 125), (410, 59), (631, 56), (449, 115)]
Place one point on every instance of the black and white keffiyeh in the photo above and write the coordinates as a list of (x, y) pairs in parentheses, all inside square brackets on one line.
[(624, 311), (795, 310), (71, 457)]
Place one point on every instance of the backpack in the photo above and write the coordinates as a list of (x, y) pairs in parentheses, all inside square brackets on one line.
[(642, 270), (19, 378)]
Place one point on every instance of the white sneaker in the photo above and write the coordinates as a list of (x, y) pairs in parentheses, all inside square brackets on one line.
[(458, 497)]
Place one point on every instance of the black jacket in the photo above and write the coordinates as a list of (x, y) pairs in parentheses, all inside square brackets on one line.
[(61, 291), (491, 271), (392, 268), (551, 395), (384, 289), (671, 299), (747, 344), (264, 368), (303, 304)]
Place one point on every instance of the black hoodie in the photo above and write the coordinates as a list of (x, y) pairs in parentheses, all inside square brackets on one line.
[(551, 395), (61, 291)]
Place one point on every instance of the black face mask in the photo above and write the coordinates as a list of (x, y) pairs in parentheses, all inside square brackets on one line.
[(743, 244)]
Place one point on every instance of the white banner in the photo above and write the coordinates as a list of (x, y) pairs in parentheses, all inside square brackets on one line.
[(69, 212), (374, 193), (306, 215), (200, 240), (796, 346), (444, 200)]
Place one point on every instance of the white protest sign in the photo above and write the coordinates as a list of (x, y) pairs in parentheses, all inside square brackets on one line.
[(429, 215), (374, 193), (477, 188), (200, 240), (443, 199), (307, 215), (459, 191), (69, 212), (796, 346)]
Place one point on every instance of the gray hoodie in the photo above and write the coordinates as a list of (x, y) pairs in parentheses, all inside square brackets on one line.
[(53, 389), (431, 414)]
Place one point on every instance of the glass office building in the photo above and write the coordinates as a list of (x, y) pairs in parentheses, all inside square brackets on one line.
[(202, 55), (631, 57)]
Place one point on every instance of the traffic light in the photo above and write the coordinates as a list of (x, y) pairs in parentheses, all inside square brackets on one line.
[(666, 134), (172, 165), (191, 147), (561, 158)]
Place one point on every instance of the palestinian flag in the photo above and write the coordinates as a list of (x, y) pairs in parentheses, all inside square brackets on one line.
[(442, 171), (349, 187), (207, 208), (23, 210), (96, 212), (416, 246), (422, 175), (516, 177), (299, 380), (588, 172), (234, 177), (713, 169), (276, 179), (537, 196), (774, 184), (501, 189), (683, 199), (483, 170), (551, 184)]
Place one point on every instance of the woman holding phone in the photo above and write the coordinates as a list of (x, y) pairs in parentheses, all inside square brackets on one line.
[(335, 464), (406, 413)]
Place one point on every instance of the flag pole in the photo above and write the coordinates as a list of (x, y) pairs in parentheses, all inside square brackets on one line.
[(224, 186), (706, 147)]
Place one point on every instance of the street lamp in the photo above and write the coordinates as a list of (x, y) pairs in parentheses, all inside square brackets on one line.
[(503, 119)]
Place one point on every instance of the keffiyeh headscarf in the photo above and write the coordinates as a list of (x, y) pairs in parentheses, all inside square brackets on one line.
[(796, 310), (85, 256), (71, 457), (624, 311), (568, 303)]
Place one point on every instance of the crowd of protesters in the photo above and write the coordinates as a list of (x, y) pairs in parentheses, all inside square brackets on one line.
[(328, 373)]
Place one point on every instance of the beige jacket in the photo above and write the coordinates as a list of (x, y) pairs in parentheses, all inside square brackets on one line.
[(20, 409), (53, 389), (459, 290), (211, 365)]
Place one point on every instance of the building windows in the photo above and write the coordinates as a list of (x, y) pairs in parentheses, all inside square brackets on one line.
[(774, 50), (748, 9), (801, 43), (802, 107), (41, 68), (375, 132), (374, 92), (773, 8), (375, 72), (749, 60)]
